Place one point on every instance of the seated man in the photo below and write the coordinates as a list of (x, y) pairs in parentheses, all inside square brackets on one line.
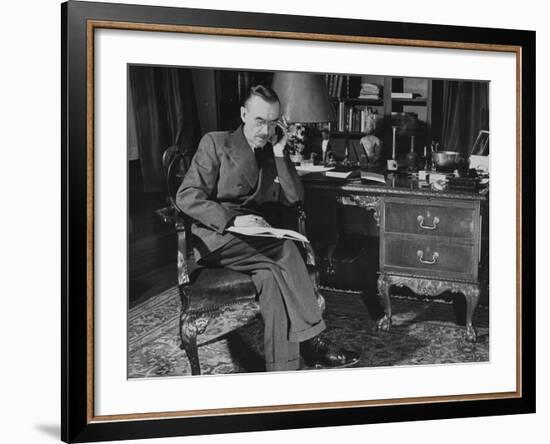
[(232, 178)]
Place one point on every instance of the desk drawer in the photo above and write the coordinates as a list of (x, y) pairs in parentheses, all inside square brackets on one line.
[(429, 257), (430, 220)]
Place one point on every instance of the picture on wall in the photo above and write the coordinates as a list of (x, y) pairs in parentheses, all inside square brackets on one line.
[(284, 221)]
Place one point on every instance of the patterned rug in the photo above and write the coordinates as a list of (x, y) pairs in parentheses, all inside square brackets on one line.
[(423, 332)]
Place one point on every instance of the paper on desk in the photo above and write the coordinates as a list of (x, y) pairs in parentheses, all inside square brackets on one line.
[(367, 175), (305, 169), (480, 163)]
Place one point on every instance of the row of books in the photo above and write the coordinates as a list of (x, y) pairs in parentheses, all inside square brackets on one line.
[(338, 86), (377, 95), (335, 85), (351, 119)]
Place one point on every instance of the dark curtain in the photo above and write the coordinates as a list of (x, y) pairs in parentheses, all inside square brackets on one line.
[(164, 114), (465, 113)]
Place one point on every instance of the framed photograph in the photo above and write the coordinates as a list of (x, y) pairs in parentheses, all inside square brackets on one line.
[(275, 221)]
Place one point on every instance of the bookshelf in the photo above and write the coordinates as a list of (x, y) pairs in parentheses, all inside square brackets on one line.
[(230, 87), (395, 99)]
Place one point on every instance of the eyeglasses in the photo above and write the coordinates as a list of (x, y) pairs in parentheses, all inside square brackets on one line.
[(271, 124)]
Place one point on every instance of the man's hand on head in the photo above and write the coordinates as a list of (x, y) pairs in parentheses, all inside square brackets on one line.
[(250, 220), (279, 145)]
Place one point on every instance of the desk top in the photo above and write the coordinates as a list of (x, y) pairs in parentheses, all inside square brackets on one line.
[(396, 185)]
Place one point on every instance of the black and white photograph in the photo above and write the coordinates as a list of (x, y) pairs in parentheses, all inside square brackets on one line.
[(274, 222), (299, 221)]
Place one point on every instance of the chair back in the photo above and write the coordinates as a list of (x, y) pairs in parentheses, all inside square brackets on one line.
[(175, 164)]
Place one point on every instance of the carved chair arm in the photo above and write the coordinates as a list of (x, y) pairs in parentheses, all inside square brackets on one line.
[(173, 215), (168, 214), (182, 224), (183, 266), (301, 214)]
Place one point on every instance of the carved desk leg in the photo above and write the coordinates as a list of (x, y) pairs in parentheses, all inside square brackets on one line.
[(384, 324), (331, 248), (471, 293), (428, 287)]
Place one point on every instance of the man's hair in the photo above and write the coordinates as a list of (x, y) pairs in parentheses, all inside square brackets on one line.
[(263, 92)]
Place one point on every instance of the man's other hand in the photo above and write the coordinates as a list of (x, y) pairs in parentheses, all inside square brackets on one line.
[(250, 220), (279, 145)]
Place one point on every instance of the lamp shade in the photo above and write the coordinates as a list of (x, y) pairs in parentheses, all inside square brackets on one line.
[(304, 97)]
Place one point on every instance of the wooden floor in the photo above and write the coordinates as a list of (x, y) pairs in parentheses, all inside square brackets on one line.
[(151, 284), (151, 247)]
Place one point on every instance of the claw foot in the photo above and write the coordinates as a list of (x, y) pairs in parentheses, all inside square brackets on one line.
[(470, 334), (384, 324)]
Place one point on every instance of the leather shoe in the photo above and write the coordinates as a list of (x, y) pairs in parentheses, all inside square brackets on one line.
[(320, 352)]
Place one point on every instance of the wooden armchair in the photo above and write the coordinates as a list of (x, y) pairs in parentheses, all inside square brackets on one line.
[(208, 294)]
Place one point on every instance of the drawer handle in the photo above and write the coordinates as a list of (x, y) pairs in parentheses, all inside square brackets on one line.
[(420, 255), (420, 220)]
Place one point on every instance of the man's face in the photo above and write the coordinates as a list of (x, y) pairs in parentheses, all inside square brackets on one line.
[(260, 120)]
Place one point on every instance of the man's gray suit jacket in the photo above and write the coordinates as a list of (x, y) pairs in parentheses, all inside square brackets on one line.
[(224, 181)]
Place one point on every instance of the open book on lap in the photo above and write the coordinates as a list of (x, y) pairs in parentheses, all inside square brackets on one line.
[(278, 233)]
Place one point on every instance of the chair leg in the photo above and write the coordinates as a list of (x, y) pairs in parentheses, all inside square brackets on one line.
[(315, 280), (188, 335)]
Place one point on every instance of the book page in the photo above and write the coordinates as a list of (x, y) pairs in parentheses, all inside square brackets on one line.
[(278, 233)]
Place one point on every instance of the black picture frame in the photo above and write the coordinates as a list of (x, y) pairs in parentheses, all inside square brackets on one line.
[(78, 423)]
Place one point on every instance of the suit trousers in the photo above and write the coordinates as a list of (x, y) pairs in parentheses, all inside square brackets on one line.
[(288, 302)]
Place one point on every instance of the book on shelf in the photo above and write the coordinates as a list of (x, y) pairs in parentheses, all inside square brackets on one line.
[(356, 120), (370, 90), (329, 79), (341, 116), (369, 96), (339, 86), (335, 85), (404, 95), (278, 233)]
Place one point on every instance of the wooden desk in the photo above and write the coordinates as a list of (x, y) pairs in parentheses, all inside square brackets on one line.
[(430, 241)]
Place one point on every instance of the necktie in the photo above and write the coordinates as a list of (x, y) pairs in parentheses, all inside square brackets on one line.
[(258, 153)]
